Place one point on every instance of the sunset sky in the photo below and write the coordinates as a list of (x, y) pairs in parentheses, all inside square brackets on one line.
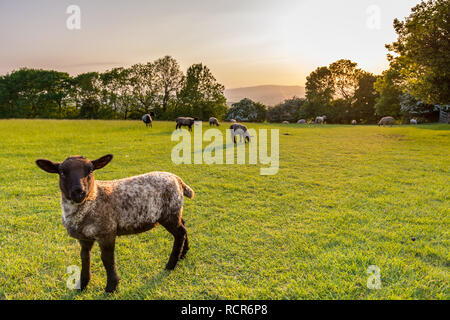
[(243, 42)]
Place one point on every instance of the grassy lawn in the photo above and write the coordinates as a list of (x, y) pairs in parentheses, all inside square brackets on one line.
[(344, 198)]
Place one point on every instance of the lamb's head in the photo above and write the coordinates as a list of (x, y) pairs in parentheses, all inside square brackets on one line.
[(76, 175)]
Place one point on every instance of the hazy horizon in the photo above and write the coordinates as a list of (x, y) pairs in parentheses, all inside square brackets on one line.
[(244, 43)]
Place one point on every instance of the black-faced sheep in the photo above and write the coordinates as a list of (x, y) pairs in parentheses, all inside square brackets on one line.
[(147, 119), (386, 121), (213, 121), (238, 129), (102, 210), (185, 121)]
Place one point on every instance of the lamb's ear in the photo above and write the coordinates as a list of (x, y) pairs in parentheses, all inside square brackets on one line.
[(102, 161), (47, 165)]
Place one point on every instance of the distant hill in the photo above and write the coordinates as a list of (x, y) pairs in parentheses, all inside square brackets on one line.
[(269, 95)]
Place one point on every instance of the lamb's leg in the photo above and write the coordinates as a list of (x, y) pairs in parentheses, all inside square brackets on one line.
[(107, 247), (186, 242), (179, 233), (86, 246)]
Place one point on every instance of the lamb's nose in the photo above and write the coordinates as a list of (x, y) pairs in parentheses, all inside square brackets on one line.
[(77, 193)]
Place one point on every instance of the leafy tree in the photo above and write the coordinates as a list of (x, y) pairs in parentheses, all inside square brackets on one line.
[(289, 110), (170, 77), (422, 52), (339, 111), (363, 108), (388, 87), (201, 94), (33, 93), (87, 94), (345, 79), (247, 110), (320, 86), (341, 91), (147, 86)]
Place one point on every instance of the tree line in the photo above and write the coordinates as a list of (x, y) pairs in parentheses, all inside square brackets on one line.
[(120, 93), (417, 80)]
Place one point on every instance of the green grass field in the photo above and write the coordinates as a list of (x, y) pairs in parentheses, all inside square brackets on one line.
[(344, 198)]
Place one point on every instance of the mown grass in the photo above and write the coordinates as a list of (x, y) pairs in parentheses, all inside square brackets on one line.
[(344, 198)]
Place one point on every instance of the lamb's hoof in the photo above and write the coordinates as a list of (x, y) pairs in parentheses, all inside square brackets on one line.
[(111, 287), (82, 288), (170, 266), (183, 254), (84, 283)]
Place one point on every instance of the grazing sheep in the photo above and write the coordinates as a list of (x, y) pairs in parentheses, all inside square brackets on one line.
[(102, 210), (213, 121), (386, 121), (147, 120), (354, 122), (241, 130), (233, 121), (320, 120), (413, 121), (301, 121), (185, 121), (285, 122)]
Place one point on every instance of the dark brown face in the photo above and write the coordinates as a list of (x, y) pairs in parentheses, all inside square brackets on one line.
[(76, 175)]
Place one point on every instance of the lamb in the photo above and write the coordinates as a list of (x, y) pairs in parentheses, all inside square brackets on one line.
[(320, 120), (241, 130), (354, 122), (386, 121), (213, 121), (413, 121), (185, 121), (285, 122), (100, 211), (301, 121), (147, 119)]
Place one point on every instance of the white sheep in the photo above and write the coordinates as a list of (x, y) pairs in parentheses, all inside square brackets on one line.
[(386, 121), (320, 120)]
